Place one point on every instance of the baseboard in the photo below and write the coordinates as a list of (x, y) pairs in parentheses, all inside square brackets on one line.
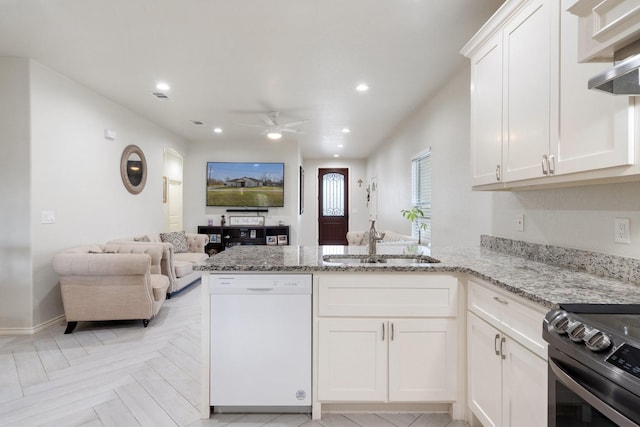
[(35, 329)]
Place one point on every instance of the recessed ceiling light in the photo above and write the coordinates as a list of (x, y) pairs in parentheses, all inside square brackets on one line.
[(336, 155), (340, 145), (217, 130), (346, 130), (163, 86), (362, 87)]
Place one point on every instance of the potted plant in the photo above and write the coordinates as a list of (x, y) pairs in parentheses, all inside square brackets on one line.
[(414, 214)]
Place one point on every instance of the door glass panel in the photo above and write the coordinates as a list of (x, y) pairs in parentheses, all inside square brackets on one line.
[(333, 194)]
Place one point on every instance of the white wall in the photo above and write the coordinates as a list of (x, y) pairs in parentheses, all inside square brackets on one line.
[(75, 172), (579, 217), (260, 150), (15, 230), (358, 219), (442, 123)]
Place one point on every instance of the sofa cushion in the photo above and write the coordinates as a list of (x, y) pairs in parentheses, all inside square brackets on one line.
[(178, 239), (182, 268), (191, 257)]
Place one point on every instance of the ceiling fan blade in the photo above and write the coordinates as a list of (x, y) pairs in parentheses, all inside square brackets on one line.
[(251, 125), (270, 119), (292, 124), (283, 129)]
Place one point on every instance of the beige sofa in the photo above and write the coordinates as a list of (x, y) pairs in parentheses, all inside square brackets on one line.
[(111, 282), (361, 238), (177, 266)]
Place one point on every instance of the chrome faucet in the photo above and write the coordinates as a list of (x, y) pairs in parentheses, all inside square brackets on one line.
[(374, 237)]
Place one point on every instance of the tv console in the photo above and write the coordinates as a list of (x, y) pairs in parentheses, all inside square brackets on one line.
[(221, 237)]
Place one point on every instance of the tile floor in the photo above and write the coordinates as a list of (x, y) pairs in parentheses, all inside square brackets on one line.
[(121, 374)]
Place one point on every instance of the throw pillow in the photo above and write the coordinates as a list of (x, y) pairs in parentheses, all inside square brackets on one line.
[(178, 239), (144, 238)]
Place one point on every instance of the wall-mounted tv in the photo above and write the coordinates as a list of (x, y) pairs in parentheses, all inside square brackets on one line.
[(245, 184)]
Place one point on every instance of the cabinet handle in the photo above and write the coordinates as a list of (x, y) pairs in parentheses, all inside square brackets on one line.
[(552, 164), (502, 341), (392, 332), (545, 165), (500, 300), (495, 344), (382, 331), (498, 173)]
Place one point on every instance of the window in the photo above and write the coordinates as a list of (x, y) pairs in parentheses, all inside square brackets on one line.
[(421, 194)]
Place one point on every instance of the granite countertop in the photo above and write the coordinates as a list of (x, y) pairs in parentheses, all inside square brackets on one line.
[(539, 282)]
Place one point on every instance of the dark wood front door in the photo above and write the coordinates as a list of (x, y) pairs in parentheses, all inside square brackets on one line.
[(333, 206)]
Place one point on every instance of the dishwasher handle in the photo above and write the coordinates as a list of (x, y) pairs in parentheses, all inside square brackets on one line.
[(260, 289)]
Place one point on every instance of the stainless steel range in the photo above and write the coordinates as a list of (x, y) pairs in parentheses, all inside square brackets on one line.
[(594, 365)]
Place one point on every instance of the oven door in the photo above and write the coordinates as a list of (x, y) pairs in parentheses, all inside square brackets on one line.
[(580, 397)]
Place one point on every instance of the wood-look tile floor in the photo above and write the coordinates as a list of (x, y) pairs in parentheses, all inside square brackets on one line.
[(121, 374)]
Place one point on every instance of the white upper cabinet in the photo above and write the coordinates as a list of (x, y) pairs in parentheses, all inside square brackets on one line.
[(595, 128), (604, 26), (486, 113), (534, 122), (528, 94)]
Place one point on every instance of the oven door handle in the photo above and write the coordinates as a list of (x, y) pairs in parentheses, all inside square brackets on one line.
[(590, 398)]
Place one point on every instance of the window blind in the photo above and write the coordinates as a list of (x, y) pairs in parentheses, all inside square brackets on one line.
[(421, 194)]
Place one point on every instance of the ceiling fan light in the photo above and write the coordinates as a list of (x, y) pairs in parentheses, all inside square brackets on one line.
[(274, 134)]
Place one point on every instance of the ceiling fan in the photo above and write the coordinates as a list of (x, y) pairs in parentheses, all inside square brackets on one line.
[(273, 129)]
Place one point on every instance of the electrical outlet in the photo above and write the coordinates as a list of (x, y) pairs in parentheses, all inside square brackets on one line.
[(520, 222), (622, 232)]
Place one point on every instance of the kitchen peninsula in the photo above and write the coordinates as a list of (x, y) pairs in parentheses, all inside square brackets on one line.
[(437, 305)]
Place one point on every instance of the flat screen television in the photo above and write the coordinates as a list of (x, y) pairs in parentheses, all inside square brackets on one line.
[(245, 184)]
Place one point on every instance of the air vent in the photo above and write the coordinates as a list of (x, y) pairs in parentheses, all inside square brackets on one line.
[(197, 122), (160, 95)]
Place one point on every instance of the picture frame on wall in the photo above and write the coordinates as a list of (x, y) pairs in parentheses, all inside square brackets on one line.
[(282, 239), (272, 240)]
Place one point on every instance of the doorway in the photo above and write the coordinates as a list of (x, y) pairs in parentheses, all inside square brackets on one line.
[(173, 167), (174, 208), (333, 206)]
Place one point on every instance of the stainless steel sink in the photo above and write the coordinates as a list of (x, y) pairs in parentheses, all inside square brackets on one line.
[(380, 259)]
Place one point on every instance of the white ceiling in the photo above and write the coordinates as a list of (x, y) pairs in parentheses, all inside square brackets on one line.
[(229, 61)]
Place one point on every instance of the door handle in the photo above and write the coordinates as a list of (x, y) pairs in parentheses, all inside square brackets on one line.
[(502, 341), (382, 331), (545, 164), (392, 331), (495, 344), (498, 173), (552, 164)]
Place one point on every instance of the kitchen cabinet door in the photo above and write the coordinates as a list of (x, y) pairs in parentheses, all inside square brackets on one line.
[(423, 360), (528, 74), (486, 113), (352, 359), (525, 387), (485, 371), (595, 127)]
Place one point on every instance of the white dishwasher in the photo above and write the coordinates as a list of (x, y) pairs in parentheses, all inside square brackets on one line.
[(260, 342)]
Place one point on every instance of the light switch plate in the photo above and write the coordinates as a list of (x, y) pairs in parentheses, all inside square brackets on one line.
[(48, 217)]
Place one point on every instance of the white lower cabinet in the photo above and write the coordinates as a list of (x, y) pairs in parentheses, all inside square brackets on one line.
[(506, 364), (507, 382), (387, 338), (395, 360)]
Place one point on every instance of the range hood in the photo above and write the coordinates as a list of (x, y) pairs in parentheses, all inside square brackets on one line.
[(623, 78)]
